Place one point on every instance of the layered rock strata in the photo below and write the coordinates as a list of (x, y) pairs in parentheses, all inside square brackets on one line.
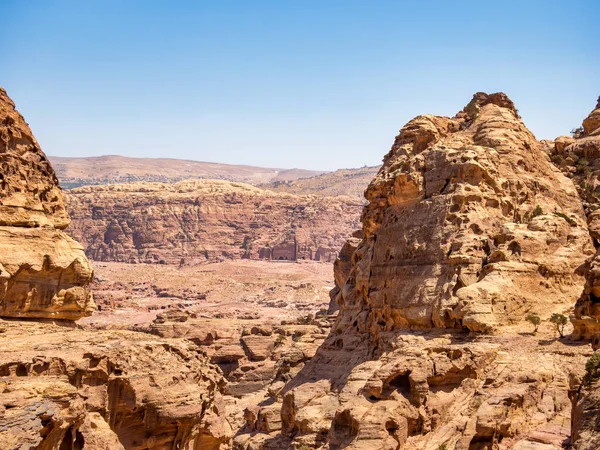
[(206, 220), (43, 272), (468, 228)]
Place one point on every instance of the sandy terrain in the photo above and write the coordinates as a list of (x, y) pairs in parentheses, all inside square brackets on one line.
[(133, 294)]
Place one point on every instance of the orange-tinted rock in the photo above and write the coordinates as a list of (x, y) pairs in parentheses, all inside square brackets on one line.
[(206, 220), (43, 272)]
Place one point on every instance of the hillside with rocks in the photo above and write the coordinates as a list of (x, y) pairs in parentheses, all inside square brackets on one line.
[(198, 221), (472, 229), (64, 388), (469, 228), (348, 182), (109, 169)]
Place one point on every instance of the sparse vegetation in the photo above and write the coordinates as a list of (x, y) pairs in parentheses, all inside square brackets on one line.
[(559, 321), (577, 132), (442, 447), (567, 218), (592, 368), (535, 320), (537, 211)]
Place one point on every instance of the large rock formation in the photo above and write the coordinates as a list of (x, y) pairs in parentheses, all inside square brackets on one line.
[(579, 158), (43, 272), (469, 227), (64, 388), (207, 220)]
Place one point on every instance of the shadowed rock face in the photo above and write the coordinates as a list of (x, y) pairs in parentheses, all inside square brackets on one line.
[(43, 272), (469, 227)]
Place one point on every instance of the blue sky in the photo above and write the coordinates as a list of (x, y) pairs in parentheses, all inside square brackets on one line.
[(312, 84)]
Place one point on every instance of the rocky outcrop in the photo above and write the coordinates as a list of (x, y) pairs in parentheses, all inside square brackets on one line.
[(65, 388), (207, 220), (468, 228), (468, 225), (579, 158), (342, 268), (43, 272)]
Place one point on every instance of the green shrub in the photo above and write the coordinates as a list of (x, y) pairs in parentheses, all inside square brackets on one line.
[(592, 368), (534, 319), (559, 322), (567, 218), (537, 211)]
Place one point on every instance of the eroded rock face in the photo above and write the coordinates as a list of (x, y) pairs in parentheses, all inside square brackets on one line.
[(43, 272), (468, 225), (579, 158), (63, 387), (206, 220), (468, 228)]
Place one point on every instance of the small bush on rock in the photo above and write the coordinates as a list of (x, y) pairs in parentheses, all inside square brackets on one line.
[(535, 320), (592, 368), (559, 321)]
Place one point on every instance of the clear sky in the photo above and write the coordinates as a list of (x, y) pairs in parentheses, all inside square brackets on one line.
[(320, 84)]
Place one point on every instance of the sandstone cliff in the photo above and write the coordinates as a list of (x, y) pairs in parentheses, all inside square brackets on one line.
[(579, 158), (468, 227), (43, 272), (206, 220), (63, 388)]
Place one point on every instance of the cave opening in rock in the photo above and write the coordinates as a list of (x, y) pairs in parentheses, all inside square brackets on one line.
[(401, 382), (21, 371)]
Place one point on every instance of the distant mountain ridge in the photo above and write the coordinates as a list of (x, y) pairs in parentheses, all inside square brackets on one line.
[(82, 171)]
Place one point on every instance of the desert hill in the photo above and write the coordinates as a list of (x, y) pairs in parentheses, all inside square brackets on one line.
[(74, 172), (349, 182)]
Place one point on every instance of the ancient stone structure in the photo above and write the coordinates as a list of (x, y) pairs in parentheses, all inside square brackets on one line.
[(207, 220)]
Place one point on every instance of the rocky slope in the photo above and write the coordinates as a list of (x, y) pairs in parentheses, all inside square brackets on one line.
[(468, 228), (43, 272), (349, 182), (63, 388), (579, 158), (207, 220), (109, 169)]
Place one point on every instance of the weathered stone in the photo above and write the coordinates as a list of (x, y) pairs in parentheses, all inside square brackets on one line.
[(43, 272)]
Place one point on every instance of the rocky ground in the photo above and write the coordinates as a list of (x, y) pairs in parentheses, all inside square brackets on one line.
[(243, 290)]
